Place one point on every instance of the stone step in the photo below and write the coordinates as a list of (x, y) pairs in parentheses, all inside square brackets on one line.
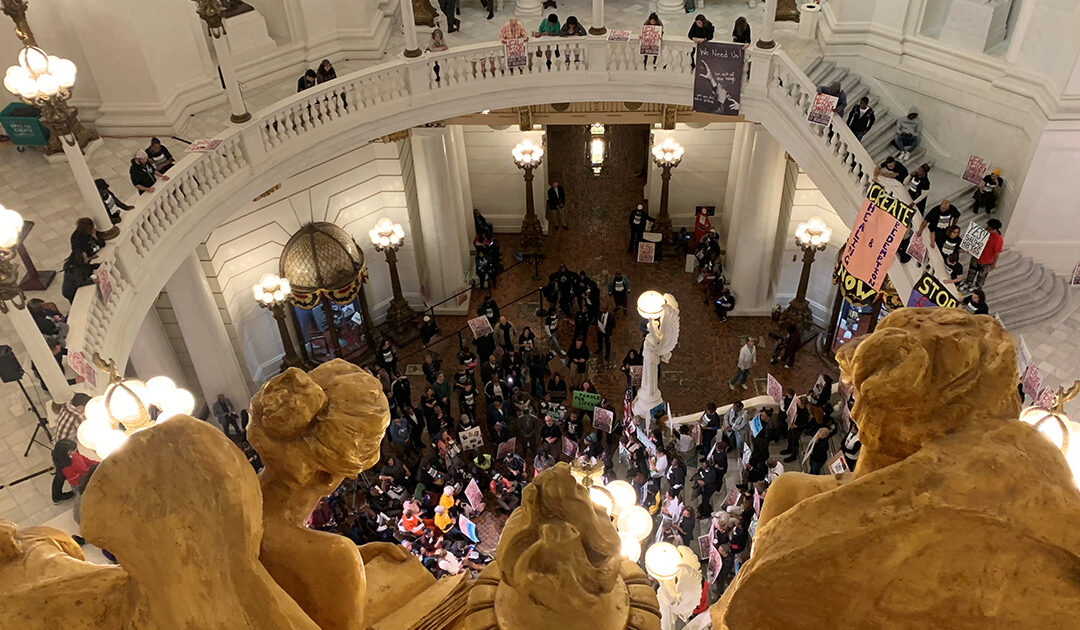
[(1032, 313)]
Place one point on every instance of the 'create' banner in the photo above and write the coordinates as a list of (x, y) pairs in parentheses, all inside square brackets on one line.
[(872, 244), (899, 210)]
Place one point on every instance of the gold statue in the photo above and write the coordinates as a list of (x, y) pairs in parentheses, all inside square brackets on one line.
[(957, 515), (559, 566)]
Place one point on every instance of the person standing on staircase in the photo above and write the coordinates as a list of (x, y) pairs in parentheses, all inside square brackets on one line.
[(861, 119), (835, 89), (981, 266), (939, 219), (918, 186)]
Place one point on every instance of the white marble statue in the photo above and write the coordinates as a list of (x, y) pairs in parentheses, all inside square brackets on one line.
[(661, 339)]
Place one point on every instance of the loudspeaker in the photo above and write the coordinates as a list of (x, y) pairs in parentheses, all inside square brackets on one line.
[(10, 370)]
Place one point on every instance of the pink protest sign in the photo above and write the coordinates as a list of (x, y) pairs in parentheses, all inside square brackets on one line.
[(822, 110), (872, 245), (474, 495), (104, 281), (917, 249), (77, 360), (774, 389), (1032, 381), (976, 169)]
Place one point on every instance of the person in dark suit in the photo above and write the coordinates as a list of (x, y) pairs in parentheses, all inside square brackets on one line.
[(496, 413), (308, 80), (556, 201), (605, 325)]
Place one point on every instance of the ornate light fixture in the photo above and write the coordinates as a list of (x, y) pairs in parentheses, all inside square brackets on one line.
[(811, 237), (128, 406), (667, 155), (527, 157), (272, 293), (597, 147), (650, 304), (388, 237), (1055, 425), (617, 499)]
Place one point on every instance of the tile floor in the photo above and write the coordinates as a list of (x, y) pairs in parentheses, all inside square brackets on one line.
[(46, 193)]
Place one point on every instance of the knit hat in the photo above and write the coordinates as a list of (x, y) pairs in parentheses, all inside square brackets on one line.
[(996, 171), (141, 154)]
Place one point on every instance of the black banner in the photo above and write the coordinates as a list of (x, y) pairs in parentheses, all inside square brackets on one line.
[(718, 73), (929, 291)]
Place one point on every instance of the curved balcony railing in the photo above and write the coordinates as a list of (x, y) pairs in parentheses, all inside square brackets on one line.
[(386, 98)]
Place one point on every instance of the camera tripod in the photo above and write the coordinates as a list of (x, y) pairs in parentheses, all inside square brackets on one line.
[(42, 423)]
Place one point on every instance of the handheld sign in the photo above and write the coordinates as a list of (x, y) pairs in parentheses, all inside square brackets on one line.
[(974, 241), (822, 110), (774, 389), (929, 291), (585, 401), (976, 169)]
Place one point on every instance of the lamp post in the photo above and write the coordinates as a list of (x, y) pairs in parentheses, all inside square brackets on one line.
[(273, 293), (1055, 425), (679, 573), (45, 82), (211, 12), (662, 311), (128, 406), (667, 155), (811, 237), (388, 237), (528, 156), (13, 304)]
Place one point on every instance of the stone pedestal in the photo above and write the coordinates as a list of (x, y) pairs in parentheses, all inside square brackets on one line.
[(976, 24)]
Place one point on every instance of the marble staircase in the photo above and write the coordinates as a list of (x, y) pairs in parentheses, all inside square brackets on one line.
[(1021, 292)]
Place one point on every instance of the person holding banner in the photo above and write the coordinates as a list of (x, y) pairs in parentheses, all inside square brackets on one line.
[(511, 30), (700, 31), (835, 89), (981, 266), (939, 219)]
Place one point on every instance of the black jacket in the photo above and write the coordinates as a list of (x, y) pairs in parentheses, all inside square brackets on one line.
[(556, 196), (859, 122)]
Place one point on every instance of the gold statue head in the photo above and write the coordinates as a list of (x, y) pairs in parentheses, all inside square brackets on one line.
[(926, 373), (329, 421), (558, 549)]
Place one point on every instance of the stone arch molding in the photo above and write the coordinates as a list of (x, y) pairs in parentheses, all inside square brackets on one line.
[(301, 131)]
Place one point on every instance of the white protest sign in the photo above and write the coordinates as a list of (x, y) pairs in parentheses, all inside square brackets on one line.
[(974, 240)]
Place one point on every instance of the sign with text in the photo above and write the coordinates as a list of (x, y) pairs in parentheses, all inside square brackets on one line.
[(916, 248), (480, 327), (822, 110), (873, 243), (474, 495), (471, 438), (774, 389), (635, 375), (756, 425), (77, 360), (975, 238), (651, 37), (929, 291), (203, 146), (506, 448), (646, 252), (1032, 381), (602, 419), (718, 78), (702, 222), (585, 401), (902, 212), (468, 528), (516, 56), (837, 465), (975, 170), (104, 281), (569, 447), (616, 35), (1045, 398)]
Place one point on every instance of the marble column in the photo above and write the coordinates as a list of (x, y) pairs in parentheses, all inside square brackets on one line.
[(153, 355), (408, 25), (237, 108), (40, 354), (527, 9), (597, 27), (1019, 30), (87, 189), (670, 6), (205, 337), (443, 232), (765, 37), (755, 219)]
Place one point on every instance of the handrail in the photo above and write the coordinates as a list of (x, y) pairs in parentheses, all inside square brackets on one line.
[(380, 97)]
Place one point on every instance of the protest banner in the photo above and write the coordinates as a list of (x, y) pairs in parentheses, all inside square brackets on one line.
[(732, 497), (837, 464), (516, 56), (929, 292), (468, 528), (1045, 399), (704, 543), (715, 562), (718, 74), (1032, 381), (774, 389), (822, 110), (585, 401), (506, 448), (203, 146), (975, 238), (646, 252), (916, 248), (746, 454), (645, 441), (474, 495), (635, 375), (616, 35), (651, 38), (77, 360), (873, 243), (470, 438), (792, 410), (569, 448), (975, 171), (602, 419), (104, 281), (480, 327), (902, 212)]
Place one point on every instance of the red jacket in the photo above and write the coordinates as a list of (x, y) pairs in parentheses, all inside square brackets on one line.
[(79, 467), (994, 245)]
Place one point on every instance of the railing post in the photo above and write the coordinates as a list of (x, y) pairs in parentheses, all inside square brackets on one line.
[(417, 77), (251, 139), (761, 60), (597, 47)]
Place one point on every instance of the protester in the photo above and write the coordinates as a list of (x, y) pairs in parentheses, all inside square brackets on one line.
[(851, 446), (556, 202), (572, 28), (159, 156), (939, 219), (143, 174), (325, 72), (747, 358), (226, 415), (638, 218), (835, 89), (989, 191), (112, 203), (918, 186), (308, 80), (976, 303), (981, 266), (740, 34), (861, 119), (450, 10), (891, 168), (652, 20), (908, 133), (549, 26), (511, 30)]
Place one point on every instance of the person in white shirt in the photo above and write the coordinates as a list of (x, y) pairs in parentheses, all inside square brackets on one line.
[(747, 358), (737, 423), (851, 446), (775, 468), (671, 508)]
